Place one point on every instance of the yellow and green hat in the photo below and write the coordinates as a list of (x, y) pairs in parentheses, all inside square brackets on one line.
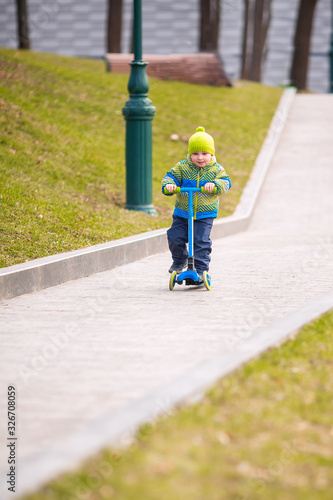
[(201, 141)]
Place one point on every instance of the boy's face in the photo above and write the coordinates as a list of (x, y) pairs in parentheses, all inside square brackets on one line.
[(201, 158)]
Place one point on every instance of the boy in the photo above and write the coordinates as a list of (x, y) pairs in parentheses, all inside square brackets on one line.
[(198, 169)]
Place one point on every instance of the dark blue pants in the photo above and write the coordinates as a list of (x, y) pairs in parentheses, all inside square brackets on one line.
[(178, 238)]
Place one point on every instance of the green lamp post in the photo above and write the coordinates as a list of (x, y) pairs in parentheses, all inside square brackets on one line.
[(138, 112)]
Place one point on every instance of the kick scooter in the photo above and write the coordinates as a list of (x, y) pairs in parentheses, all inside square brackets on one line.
[(190, 276)]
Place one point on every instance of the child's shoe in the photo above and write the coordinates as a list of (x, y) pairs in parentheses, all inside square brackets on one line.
[(201, 278), (201, 281), (177, 267)]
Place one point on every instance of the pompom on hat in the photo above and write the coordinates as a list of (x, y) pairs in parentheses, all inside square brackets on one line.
[(201, 141)]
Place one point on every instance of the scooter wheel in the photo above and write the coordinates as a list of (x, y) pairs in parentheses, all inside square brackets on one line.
[(207, 280), (172, 280)]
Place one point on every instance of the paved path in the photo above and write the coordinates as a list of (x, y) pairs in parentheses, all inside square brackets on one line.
[(80, 351)]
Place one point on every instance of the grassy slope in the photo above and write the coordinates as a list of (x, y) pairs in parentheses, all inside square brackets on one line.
[(62, 172), (265, 432)]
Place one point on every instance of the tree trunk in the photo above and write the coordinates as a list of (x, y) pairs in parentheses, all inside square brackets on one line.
[(262, 18), (22, 25), (248, 30), (302, 39), (115, 8), (210, 13), (256, 23)]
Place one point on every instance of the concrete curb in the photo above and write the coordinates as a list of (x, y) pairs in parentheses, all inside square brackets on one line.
[(118, 429), (54, 270)]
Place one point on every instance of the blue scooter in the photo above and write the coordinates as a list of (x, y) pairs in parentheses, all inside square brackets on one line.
[(190, 276)]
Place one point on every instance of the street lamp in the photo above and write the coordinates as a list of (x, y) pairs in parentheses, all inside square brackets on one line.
[(138, 112)]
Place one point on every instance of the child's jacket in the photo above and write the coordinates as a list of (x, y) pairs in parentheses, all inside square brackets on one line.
[(186, 174)]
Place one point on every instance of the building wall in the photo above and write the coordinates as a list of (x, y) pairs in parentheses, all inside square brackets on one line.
[(319, 64), (76, 28), (68, 27), (280, 44)]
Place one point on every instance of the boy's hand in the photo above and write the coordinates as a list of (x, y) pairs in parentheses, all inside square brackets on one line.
[(171, 187), (209, 186)]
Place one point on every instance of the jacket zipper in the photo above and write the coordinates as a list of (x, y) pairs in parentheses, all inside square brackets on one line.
[(197, 196)]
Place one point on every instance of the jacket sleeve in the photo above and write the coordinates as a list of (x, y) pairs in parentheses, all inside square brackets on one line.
[(174, 176), (222, 181)]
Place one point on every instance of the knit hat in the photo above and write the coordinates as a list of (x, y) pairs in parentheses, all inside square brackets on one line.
[(201, 141)]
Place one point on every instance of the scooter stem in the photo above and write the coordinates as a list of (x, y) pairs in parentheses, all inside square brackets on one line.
[(190, 230)]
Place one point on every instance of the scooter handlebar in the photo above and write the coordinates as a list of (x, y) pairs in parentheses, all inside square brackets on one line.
[(194, 190)]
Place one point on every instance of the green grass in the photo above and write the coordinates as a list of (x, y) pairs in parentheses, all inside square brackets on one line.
[(62, 171), (264, 432)]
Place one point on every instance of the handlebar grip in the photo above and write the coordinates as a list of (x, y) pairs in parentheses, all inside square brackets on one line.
[(177, 190), (213, 192)]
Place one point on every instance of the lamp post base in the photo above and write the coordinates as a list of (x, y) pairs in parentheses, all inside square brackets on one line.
[(149, 209)]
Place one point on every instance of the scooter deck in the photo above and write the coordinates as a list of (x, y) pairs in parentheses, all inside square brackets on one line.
[(190, 278)]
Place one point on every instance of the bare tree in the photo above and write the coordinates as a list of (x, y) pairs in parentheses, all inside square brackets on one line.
[(302, 39), (115, 8), (22, 24), (256, 23), (210, 13)]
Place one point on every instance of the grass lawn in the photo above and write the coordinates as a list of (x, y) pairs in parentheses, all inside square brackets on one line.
[(62, 170), (262, 433)]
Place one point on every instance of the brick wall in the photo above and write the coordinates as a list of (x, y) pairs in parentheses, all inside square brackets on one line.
[(203, 68)]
